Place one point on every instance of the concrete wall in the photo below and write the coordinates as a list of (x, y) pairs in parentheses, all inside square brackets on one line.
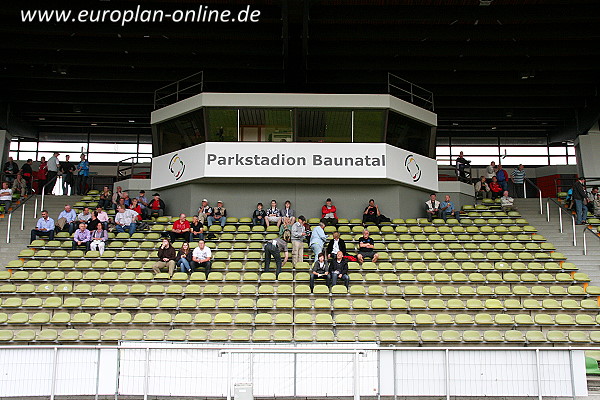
[(395, 201)]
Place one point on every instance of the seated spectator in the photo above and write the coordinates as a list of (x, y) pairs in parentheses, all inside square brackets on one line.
[(495, 188), (135, 206), (338, 269), (43, 227), (259, 216), (5, 196), (320, 270), (126, 199), (93, 222), (184, 258), (102, 217), (196, 229), (204, 212), (336, 245), (143, 203), (273, 215), (482, 189), (166, 258), (329, 213), (99, 236), (507, 202), (274, 248), (82, 237), (288, 212), (219, 215), (66, 220), (20, 185), (181, 229), (125, 219), (298, 235), (116, 196), (156, 206), (432, 207), (105, 200), (122, 202), (10, 170), (318, 239), (85, 216), (592, 196), (201, 257), (371, 213), (285, 230), (447, 209), (366, 248)]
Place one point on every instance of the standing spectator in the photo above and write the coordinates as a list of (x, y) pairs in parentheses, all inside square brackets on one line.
[(157, 206), (432, 207), (371, 213), (482, 189), (44, 227), (27, 172), (143, 202), (84, 216), (82, 171), (105, 200), (42, 175), (495, 188), (82, 237), (298, 235), (502, 177), (196, 229), (99, 238), (201, 257), (507, 202), (116, 197), (580, 198), (320, 270), (219, 215), (338, 269), (184, 257), (461, 164), (125, 219), (336, 245), (166, 258), (204, 212), (274, 248), (273, 215), (66, 219), (329, 213), (591, 199), (67, 169), (447, 208), (288, 212), (181, 229), (6, 197), (53, 166), (318, 239), (366, 248), (259, 216), (518, 179), (20, 185), (10, 170), (490, 172)]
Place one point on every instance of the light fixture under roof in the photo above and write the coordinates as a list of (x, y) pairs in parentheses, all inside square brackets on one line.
[(131, 120), (485, 2), (93, 124)]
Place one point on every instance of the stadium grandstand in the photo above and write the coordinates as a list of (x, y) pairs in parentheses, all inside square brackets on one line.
[(300, 199)]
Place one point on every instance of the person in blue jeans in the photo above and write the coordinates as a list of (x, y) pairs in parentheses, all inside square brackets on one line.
[(184, 257), (580, 198), (318, 239), (502, 177), (126, 220), (447, 209)]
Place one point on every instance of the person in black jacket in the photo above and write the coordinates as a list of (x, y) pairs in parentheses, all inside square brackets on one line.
[(67, 168), (338, 269), (336, 244), (320, 270), (156, 206), (10, 170), (580, 198)]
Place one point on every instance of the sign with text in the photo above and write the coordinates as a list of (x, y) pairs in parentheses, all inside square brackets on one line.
[(294, 160)]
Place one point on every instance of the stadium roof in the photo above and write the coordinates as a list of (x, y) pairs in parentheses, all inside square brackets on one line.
[(500, 67)]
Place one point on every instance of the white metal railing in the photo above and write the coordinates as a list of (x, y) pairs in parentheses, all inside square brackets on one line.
[(162, 369), (561, 210), (527, 180), (586, 230), (416, 94)]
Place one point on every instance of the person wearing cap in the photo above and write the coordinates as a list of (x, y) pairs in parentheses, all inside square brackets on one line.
[(329, 213), (204, 212), (157, 206), (53, 166), (219, 215), (143, 203)]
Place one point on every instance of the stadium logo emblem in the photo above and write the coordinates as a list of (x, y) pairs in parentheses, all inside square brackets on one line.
[(177, 166), (412, 167)]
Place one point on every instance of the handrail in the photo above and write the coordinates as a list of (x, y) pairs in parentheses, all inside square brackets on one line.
[(564, 187), (561, 210), (426, 95), (176, 89), (43, 191), (527, 180), (125, 166), (587, 228)]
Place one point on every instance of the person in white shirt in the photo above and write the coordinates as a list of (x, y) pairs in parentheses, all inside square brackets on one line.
[(85, 215), (53, 166), (507, 202), (273, 215), (490, 172), (432, 206), (125, 219), (5, 196), (298, 236), (201, 257)]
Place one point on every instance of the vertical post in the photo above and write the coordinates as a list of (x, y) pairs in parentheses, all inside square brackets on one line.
[(117, 373), (146, 363), (538, 375), (42, 207), (560, 219), (524, 190), (356, 388), (35, 210), (584, 244), (8, 228), (541, 206), (447, 360), (97, 374), (572, 374), (352, 127), (229, 373), (548, 211), (395, 378), (53, 383), (23, 216), (574, 232), (239, 130)]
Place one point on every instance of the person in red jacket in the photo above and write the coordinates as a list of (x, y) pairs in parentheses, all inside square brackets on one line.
[(42, 174), (181, 229), (495, 188), (135, 206), (329, 213)]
